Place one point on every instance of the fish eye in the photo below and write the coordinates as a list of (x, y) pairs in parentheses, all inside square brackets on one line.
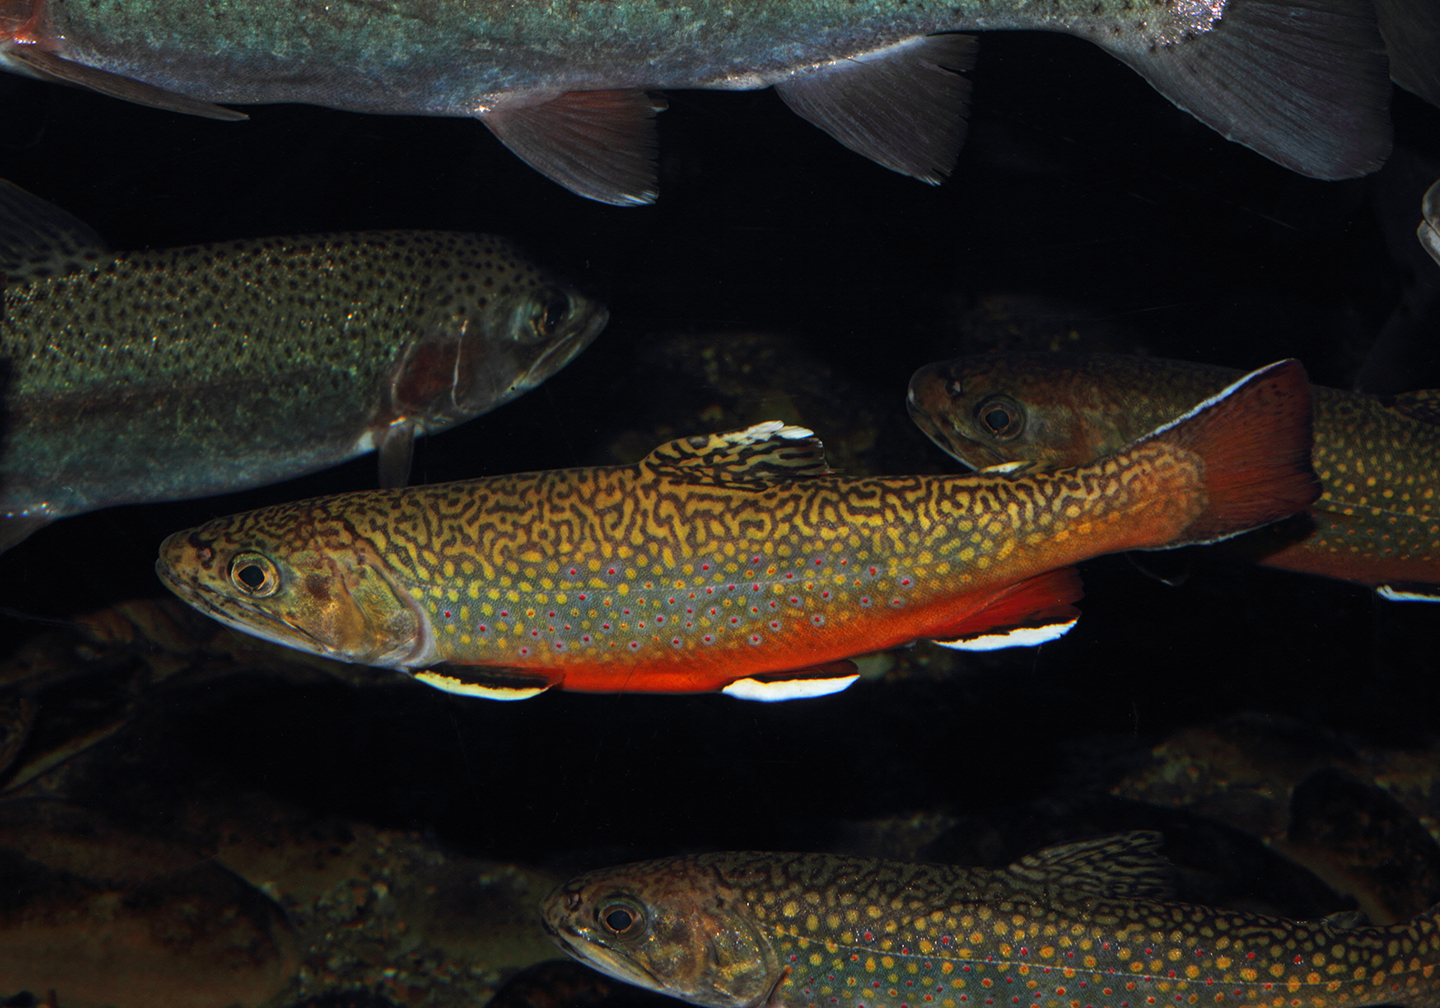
[(621, 918), (552, 305), (254, 574), (1000, 418)]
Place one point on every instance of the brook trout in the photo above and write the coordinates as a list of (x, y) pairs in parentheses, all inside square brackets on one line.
[(566, 86), (150, 376), (1087, 924), (734, 562), (1377, 522)]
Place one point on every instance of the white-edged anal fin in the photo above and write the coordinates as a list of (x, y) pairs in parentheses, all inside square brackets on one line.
[(902, 106), (484, 681), (598, 144), (1020, 636), (1409, 592), (801, 684)]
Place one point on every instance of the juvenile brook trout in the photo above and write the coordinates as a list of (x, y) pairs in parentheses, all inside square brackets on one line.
[(735, 562), (1084, 925), (566, 86), (1377, 522), (150, 376)]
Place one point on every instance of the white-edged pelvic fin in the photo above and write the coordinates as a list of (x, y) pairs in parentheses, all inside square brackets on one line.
[(1002, 468), (1224, 393), (1408, 593), (787, 689), (450, 684), (1028, 636), (767, 429)]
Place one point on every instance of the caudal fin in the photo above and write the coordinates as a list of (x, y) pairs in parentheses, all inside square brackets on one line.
[(1303, 82), (1255, 440)]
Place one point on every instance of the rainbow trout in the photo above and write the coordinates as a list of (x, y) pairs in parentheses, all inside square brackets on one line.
[(151, 376), (1087, 924), (1377, 522), (566, 86), (734, 562)]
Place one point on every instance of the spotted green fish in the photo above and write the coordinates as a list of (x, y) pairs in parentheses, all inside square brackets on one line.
[(568, 86), (150, 376), (730, 561), (1085, 925), (1377, 522)]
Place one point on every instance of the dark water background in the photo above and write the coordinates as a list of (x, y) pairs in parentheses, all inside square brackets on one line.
[(1084, 204)]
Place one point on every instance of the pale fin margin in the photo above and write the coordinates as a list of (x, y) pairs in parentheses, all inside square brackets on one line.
[(484, 682), (48, 66), (38, 239), (1127, 866), (774, 691), (760, 455), (1303, 82), (1408, 592), (903, 106), (597, 144), (395, 447), (1025, 614)]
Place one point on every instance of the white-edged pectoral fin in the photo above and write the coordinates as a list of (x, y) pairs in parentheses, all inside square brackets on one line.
[(484, 682), (802, 684)]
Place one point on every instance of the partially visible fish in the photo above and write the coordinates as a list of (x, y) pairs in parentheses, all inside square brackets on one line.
[(1429, 229), (1091, 923), (1377, 522), (567, 86), (151, 376), (734, 562)]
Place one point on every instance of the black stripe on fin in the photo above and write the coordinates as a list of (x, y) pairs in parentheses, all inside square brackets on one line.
[(1303, 82), (1125, 866)]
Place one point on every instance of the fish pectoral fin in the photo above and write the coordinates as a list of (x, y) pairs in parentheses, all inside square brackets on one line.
[(1125, 866), (1025, 614), (492, 682), (56, 68), (395, 448), (1423, 405), (1401, 591), (598, 144), (902, 106), (801, 684), (1303, 82), (760, 455), (38, 239), (772, 997)]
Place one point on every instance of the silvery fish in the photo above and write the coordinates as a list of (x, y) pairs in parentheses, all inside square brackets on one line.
[(1377, 522), (1084, 925), (163, 375), (736, 562), (568, 86)]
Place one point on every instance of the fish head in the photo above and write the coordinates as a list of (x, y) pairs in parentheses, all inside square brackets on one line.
[(671, 926), (498, 327), (303, 587), (1040, 408)]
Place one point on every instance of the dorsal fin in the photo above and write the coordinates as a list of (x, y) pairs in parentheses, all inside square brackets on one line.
[(1423, 405), (1126, 866), (38, 239), (760, 455)]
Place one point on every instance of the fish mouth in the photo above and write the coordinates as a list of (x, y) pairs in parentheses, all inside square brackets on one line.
[(216, 606), (604, 960), (564, 350)]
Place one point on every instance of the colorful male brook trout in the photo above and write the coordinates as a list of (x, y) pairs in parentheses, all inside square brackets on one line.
[(1377, 523), (1085, 925), (729, 561)]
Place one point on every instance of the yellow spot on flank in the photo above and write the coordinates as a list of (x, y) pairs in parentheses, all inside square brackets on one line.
[(790, 909)]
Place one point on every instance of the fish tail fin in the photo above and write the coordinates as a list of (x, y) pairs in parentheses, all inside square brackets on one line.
[(1254, 439), (1303, 82)]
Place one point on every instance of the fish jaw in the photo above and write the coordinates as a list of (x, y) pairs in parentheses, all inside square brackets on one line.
[(692, 938), (310, 600)]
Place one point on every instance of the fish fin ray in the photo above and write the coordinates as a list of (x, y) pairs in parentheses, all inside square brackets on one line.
[(1422, 405), (396, 450), (490, 682), (1302, 82), (54, 68), (903, 107), (38, 239), (1411, 30), (1254, 438), (1344, 920), (16, 529), (800, 684), (1026, 613), (598, 144), (760, 455), (1401, 591), (1124, 866)]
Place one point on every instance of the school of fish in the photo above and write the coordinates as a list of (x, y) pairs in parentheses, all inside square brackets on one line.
[(732, 562), (1089, 924), (569, 88), (178, 373), (1377, 522)]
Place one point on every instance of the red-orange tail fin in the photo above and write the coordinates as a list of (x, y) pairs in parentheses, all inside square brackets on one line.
[(1255, 439)]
